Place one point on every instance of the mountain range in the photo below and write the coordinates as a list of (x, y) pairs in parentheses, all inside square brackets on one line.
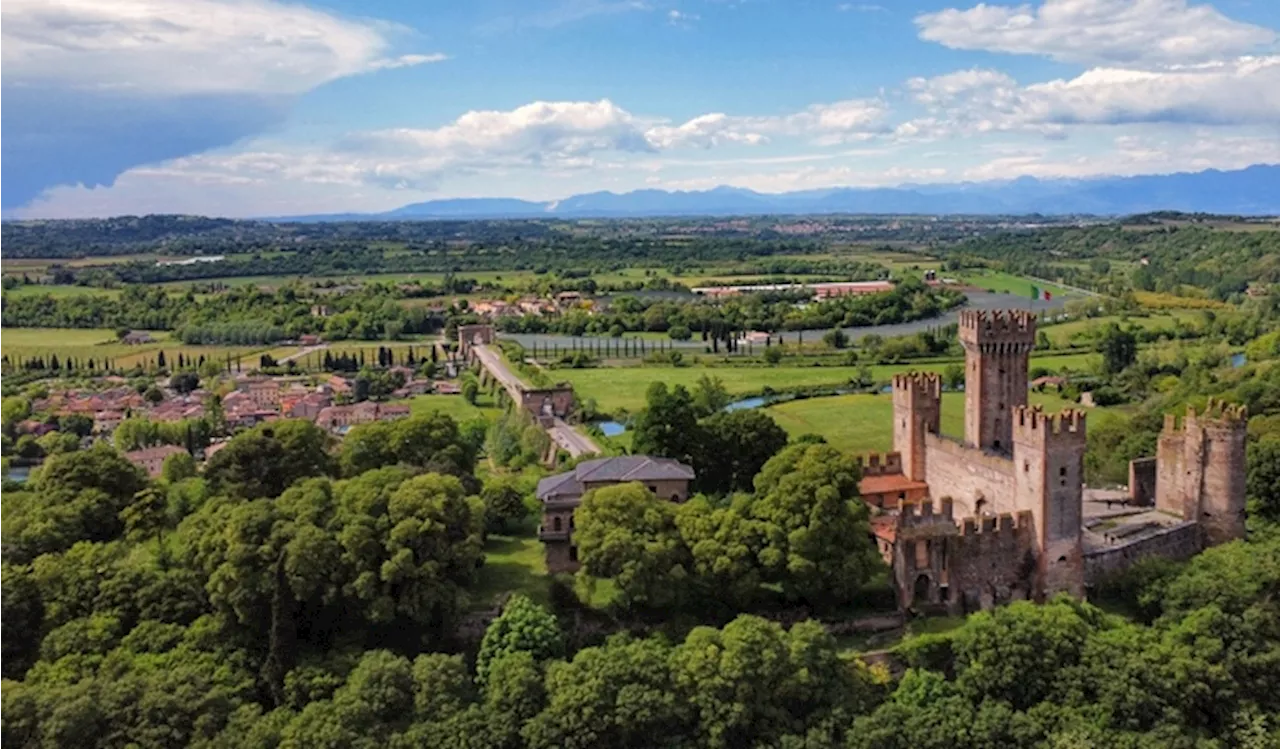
[(1251, 191)]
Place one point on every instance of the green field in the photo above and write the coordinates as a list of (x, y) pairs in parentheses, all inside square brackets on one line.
[(864, 422), (615, 388), (455, 406), (58, 290), (516, 564), (99, 343), (1008, 284), (1064, 334), (57, 337)]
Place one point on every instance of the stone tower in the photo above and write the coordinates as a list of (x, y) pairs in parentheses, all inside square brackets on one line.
[(1048, 465), (917, 411), (997, 348), (1200, 470)]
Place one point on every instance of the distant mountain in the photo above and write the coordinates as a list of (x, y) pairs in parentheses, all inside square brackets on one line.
[(1251, 191)]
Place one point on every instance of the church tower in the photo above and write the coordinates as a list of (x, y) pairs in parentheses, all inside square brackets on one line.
[(997, 350)]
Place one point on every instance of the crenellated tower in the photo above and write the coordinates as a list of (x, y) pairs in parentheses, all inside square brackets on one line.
[(917, 411), (1048, 465), (997, 347), (1200, 469)]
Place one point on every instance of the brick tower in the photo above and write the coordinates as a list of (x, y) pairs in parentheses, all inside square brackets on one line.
[(1048, 464), (997, 349), (1200, 470), (917, 411)]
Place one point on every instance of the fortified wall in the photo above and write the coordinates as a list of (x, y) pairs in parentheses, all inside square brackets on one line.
[(978, 564), (1200, 469)]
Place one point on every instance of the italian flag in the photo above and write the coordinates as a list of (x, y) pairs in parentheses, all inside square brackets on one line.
[(1041, 294)]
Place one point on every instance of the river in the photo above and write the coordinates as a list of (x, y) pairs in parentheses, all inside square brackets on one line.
[(976, 300)]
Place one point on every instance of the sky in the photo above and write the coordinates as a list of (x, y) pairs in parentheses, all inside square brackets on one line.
[(265, 108)]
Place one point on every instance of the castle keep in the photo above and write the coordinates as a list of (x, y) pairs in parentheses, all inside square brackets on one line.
[(1014, 519)]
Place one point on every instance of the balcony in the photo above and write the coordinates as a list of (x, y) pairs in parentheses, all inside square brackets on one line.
[(551, 534)]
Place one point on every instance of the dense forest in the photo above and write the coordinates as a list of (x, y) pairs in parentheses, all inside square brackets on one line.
[(297, 597)]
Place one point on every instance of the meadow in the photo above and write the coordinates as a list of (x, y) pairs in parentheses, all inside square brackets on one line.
[(863, 422), (456, 407), (616, 389), (100, 343)]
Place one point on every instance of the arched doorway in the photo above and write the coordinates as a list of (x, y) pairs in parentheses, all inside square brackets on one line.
[(920, 591)]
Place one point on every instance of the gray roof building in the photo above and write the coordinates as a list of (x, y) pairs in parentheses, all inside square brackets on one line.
[(617, 470)]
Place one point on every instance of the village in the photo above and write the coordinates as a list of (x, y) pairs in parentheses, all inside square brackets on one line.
[(327, 400)]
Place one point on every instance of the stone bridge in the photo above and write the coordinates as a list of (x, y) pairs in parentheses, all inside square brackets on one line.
[(549, 406)]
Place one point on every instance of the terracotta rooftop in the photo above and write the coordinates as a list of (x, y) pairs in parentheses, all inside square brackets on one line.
[(888, 483), (885, 527)]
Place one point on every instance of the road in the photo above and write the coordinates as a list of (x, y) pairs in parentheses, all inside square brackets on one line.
[(571, 440), (493, 362), (302, 352), (565, 436)]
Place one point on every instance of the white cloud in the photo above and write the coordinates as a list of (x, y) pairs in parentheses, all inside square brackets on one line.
[(183, 47), (1132, 155), (682, 18), (704, 131), (1130, 33), (1245, 91)]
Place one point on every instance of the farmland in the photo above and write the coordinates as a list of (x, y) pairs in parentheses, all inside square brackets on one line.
[(623, 389), (863, 422)]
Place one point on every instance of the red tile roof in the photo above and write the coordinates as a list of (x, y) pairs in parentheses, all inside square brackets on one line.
[(888, 483)]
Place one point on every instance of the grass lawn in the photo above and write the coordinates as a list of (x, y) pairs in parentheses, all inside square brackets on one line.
[(59, 290), (1064, 333), (616, 388), (515, 564), (455, 406), (54, 337), (1003, 282), (863, 423)]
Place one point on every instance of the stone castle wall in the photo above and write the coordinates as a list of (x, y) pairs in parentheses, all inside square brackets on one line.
[(1177, 542), (968, 475)]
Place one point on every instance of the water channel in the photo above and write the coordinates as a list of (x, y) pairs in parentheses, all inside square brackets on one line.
[(981, 300)]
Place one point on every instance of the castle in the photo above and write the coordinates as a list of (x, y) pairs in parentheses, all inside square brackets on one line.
[(1004, 514)]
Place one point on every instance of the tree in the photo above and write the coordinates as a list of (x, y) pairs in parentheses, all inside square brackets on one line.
[(816, 539), (178, 467), (836, 338), (153, 395), (753, 682), (585, 694), (736, 446), (77, 424), (184, 382), (1119, 349), (523, 627), (679, 333), (773, 355), (505, 509), (724, 543), (267, 459), (23, 609), (953, 376), (628, 535), (470, 391), (710, 396), (1263, 479), (668, 427), (13, 410), (1018, 652)]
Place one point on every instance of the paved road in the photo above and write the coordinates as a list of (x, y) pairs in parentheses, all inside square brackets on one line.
[(568, 438), (572, 441), (303, 352), (494, 363)]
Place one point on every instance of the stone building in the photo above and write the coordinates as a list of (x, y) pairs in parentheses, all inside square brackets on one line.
[(1016, 520), (561, 494), (151, 459)]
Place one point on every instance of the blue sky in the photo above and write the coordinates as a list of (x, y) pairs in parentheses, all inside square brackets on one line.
[(257, 107)]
